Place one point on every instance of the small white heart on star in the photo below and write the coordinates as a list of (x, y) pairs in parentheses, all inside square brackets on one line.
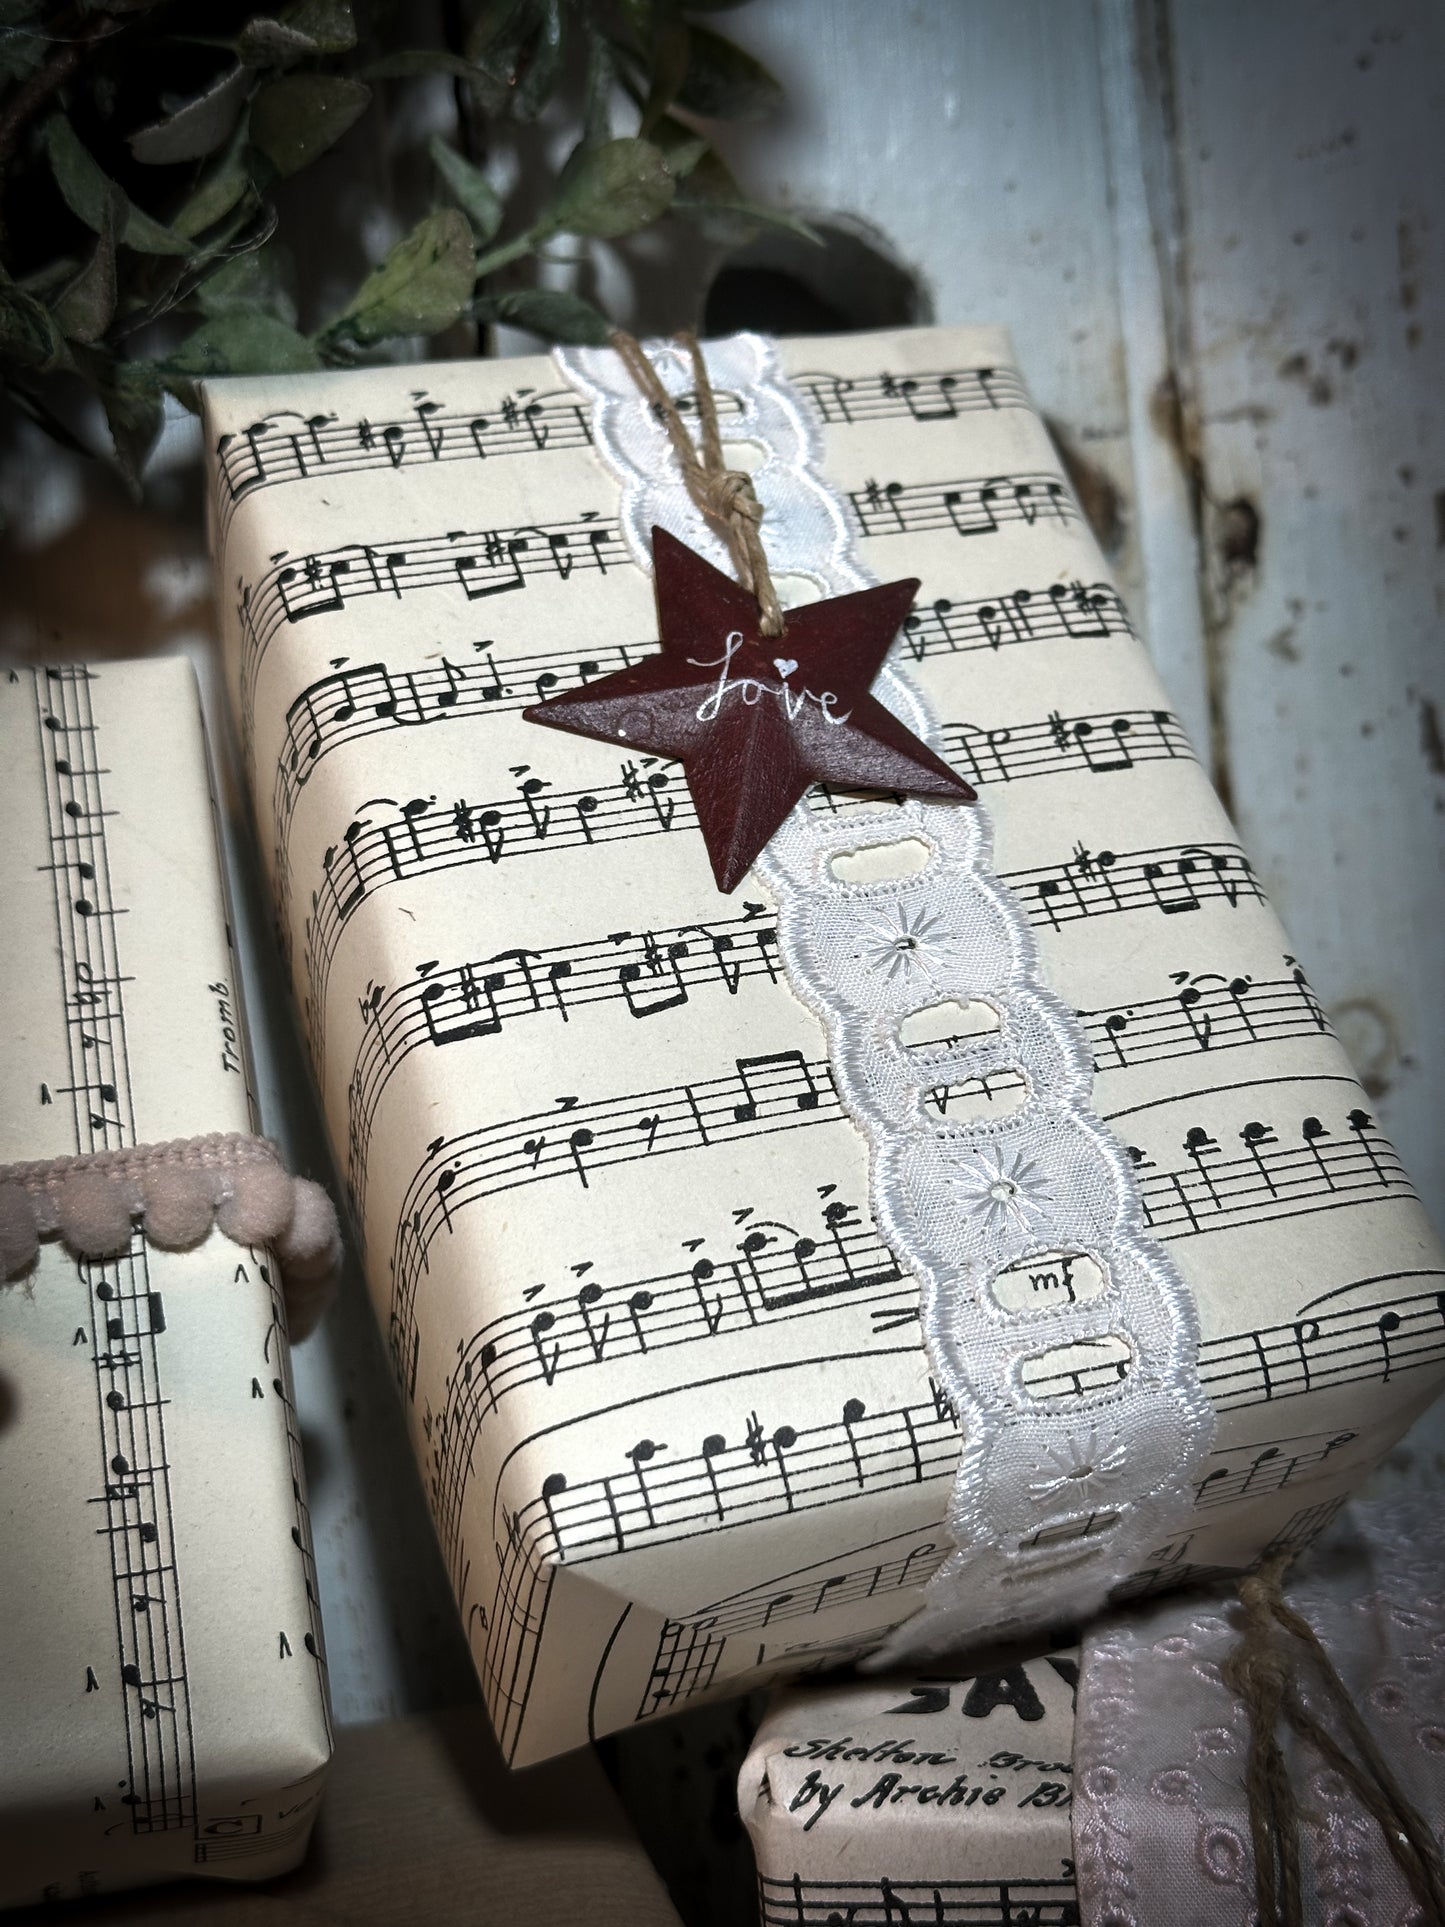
[(785, 665)]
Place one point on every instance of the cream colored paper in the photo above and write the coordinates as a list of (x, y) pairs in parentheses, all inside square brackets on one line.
[(163, 1696), (945, 1798), (665, 1384)]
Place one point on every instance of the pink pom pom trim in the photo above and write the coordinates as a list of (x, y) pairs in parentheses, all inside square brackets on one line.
[(177, 1191)]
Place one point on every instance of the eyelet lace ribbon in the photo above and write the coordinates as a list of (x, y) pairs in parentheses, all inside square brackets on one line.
[(1052, 1505)]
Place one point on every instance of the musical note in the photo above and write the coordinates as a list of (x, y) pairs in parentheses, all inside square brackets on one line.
[(792, 1901), (268, 454), (478, 998), (776, 1077), (1088, 885), (772, 1474), (1273, 1178), (938, 396), (318, 723), (968, 508), (484, 563), (1270, 1467), (105, 765), (604, 1323)]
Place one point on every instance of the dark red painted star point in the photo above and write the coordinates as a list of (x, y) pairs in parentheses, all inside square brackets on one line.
[(755, 720)]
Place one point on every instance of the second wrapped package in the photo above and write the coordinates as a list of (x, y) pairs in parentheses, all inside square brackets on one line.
[(163, 1709)]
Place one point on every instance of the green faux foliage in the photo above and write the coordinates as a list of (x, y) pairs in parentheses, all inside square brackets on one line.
[(142, 143)]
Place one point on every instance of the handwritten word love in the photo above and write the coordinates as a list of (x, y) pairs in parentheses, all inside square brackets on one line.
[(752, 689)]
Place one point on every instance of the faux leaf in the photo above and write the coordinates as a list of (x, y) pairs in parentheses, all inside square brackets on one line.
[(311, 27), (474, 192), (723, 211), (680, 147), (225, 183), (248, 281), (198, 128), (21, 54), (723, 82), (419, 289), (299, 116), (135, 411), (87, 191), (609, 190), (247, 229), (29, 334), (244, 341), (601, 84), (85, 308), (547, 311), (541, 66), (672, 53), (516, 47)]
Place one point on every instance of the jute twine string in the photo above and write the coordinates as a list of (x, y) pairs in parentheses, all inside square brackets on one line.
[(1263, 1671), (725, 495)]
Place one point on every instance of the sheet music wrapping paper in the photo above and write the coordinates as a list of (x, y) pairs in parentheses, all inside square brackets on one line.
[(664, 1377), (164, 1701), (945, 1798)]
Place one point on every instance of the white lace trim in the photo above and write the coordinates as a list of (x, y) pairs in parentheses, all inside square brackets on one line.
[(1053, 1503)]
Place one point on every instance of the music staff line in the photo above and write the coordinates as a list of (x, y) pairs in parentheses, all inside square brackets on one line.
[(967, 508), (772, 1273), (418, 838), (852, 1453), (1213, 1190), (935, 396), (688, 1660), (288, 446), (1272, 1468), (770, 1476), (652, 972), (480, 563), (1315, 1349), (652, 1499), (354, 703), (795, 1902), (126, 1317), (804, 1597), (477, 563), (1171, 880), (1370, 1342), (1363, 1343)]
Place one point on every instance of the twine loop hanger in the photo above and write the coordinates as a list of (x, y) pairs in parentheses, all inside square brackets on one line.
[(725, 495)]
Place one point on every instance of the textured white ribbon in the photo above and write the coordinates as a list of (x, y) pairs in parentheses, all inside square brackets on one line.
[(1054, 1503)]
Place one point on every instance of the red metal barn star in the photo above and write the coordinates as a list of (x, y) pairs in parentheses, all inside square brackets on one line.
[(755, 719)]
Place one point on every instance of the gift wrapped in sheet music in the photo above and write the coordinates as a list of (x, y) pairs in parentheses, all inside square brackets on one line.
[(1135, 1288), (942, 1799), (164, 1707)]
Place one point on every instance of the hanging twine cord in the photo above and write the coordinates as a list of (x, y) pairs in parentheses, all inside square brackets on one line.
[(1263, 1671), (725, 495), (177, 1190)]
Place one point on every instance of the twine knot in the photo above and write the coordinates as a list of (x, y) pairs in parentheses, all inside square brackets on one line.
[(731, 494), (725, 495)]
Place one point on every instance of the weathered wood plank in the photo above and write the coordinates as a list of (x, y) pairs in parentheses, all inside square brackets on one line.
[(1307, 141)]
